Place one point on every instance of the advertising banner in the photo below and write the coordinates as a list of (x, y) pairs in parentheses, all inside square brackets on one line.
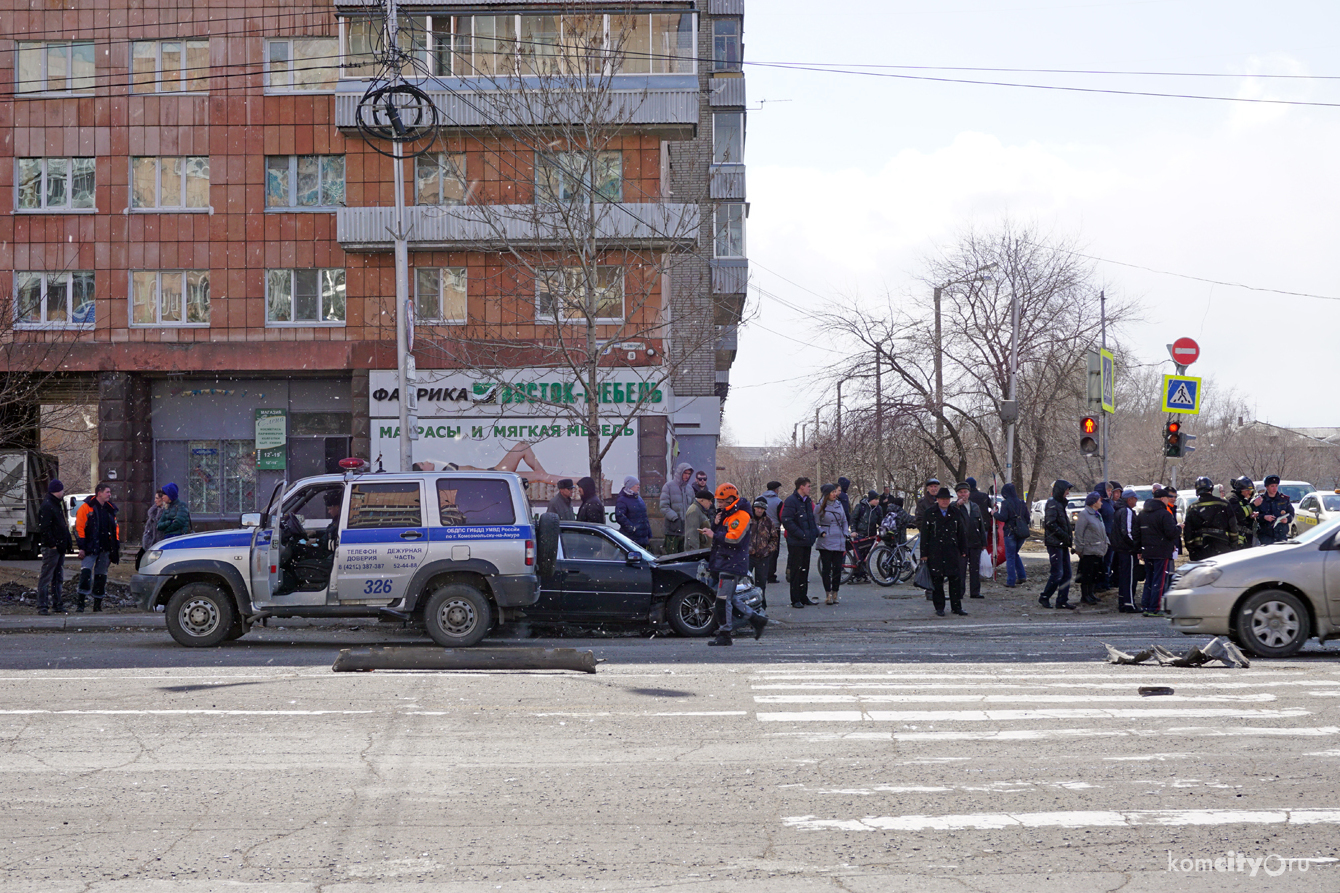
[(271, 439)]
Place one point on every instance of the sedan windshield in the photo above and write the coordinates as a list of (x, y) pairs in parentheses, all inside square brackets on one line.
[(628, 544), (1331, 502), (1319, 532)]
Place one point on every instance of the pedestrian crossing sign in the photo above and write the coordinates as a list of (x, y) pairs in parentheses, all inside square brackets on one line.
[(1181, 393)]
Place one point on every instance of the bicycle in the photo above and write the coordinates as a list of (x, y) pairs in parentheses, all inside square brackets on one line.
[(854, 569), (889, 563)]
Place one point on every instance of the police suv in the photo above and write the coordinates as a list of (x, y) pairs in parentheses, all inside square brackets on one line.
[(453, 550)]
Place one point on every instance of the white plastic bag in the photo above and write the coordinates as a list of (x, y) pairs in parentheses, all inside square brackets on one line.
[(984, 563)]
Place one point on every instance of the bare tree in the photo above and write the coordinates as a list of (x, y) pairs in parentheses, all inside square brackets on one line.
[(980, 279)]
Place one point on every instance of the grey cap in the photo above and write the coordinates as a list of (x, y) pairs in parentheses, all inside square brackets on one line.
[(1128, 493)]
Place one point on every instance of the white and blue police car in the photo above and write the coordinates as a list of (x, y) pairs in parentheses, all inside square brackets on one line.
[(455, 550)]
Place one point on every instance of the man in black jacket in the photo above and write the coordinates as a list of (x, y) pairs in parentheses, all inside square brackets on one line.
[(1126, 550), (974, 523), (1210, 527), (53, 531), (801, 532), (1059, 537), (984, 505), (944, 545), (1158, 540)]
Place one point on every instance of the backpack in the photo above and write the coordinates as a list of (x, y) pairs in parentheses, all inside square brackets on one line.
[(1018, 524)]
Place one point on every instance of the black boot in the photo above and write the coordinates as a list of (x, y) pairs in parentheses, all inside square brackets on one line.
[(758, 621), (99, 590), (722, 638)]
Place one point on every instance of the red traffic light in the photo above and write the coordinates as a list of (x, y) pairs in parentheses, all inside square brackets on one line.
[(1174, 427), (1088, 425)]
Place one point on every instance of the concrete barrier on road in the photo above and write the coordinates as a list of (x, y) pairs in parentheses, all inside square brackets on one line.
[(408, 658)]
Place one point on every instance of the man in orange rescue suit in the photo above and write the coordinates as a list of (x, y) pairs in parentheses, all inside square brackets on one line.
[(730, 560)]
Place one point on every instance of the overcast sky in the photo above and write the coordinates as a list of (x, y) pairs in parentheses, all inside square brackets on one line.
[(854, 180)]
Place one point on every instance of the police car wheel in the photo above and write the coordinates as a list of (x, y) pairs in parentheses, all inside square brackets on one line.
[(690, 611), (1273, 623), (546, 542), (200, 615), (457, 616)]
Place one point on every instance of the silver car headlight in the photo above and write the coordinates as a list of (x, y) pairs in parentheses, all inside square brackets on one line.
[(1198, 577)]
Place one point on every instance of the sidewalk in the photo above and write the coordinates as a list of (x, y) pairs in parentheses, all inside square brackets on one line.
[(863, 605)]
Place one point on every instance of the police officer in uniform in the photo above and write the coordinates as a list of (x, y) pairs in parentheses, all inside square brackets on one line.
[(1244, 512), (1210, 527), (1274, 513)]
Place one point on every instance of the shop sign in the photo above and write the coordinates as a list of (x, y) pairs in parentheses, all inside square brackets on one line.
[(271, 439), (539, 391)]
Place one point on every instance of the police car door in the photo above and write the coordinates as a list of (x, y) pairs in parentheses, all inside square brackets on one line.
[(383, 543), (479, 523)]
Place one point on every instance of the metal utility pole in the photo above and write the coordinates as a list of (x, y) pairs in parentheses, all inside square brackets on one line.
[(408, 421), (1014, 385), (1102, 319)]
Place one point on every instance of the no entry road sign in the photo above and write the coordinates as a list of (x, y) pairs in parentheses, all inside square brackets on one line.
[(1185, 351)]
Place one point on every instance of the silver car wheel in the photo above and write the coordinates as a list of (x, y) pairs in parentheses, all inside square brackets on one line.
[(199, 617), (1275, 624)]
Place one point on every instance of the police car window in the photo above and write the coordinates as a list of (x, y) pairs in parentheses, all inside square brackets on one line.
[(316, 505), (384, 505), (474, 503), (587, 545)]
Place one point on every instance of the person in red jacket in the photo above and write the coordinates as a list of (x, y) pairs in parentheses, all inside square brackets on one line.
[(730, 535)]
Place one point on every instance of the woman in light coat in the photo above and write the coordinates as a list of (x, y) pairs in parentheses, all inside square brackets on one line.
[(1091, 546), (832, 543)]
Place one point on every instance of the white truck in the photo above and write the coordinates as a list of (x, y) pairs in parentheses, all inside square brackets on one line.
[(24, 475)]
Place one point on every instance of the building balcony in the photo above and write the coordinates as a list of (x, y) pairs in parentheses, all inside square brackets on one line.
[(727, 182), (727, 92), (730, 276), (653, 225), (659, 105)]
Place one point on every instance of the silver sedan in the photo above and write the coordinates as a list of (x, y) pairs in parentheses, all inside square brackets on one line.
[(1270, 599)]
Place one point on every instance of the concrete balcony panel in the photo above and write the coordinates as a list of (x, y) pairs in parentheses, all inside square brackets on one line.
[(667, 106), (727, 92), (487, 227), (730, 277), (727, 182)]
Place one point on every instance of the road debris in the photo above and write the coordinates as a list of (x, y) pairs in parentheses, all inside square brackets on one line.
[(363, 660), (1216, 649)]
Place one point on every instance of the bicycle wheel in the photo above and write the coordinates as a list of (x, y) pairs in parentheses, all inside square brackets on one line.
[(904, 565), (880, 564), (851, 562)]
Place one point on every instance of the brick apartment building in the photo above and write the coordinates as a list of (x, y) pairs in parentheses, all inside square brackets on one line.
[(199, 232)]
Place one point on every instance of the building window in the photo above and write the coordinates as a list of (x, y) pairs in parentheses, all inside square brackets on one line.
[(728, 138), (439, 294), (169, 183), (563, 177), (304, 297), (304, 181), (439, 178), (169, 298), (222, 476), (563, 293), (726, 48), (55, 184), (302, 63), (508, 44), (729, 230), (55, 67), (169, 66), (54, 300)]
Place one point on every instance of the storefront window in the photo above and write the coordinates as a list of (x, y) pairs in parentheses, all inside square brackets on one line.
[(222, 476)]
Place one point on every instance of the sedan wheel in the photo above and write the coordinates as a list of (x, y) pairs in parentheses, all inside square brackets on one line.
[(1273, 623), (690, 611)]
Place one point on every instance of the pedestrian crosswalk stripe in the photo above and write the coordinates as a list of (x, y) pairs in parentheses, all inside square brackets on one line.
[(998, 699), (1125, 686), (1023, 715), (1007, 735), (1077, 819)]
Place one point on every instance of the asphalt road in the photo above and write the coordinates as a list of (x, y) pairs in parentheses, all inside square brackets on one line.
[(905, 755)]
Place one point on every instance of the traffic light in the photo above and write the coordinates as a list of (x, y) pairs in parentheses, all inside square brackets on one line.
[(1088, 436), (1172, 439)]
